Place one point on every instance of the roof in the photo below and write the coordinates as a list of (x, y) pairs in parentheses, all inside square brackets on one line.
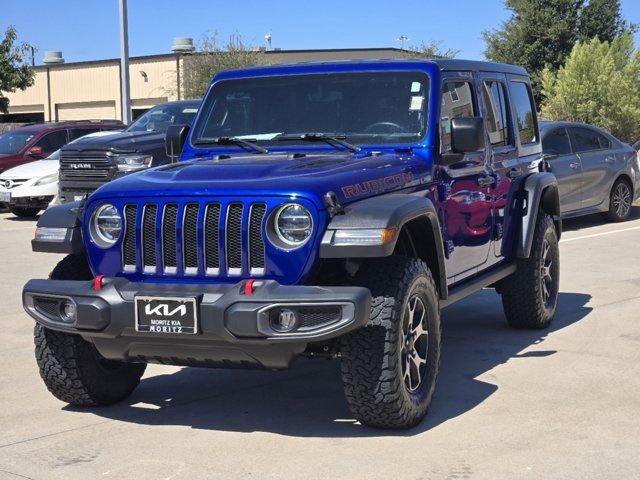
[(40, 126), (442, 64)]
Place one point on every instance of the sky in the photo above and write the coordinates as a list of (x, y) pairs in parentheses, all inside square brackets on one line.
[(88, 29)]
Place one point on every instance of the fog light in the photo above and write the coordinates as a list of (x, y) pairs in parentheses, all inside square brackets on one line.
[(68, 311), (285, 321)]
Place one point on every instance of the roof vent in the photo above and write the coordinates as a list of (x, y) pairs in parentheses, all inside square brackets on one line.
[(52, 57), (182, 45)]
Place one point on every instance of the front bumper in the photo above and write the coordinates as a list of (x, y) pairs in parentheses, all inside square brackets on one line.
[(234, 327)]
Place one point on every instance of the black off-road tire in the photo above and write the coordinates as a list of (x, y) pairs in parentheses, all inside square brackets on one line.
[(620, 201), (71, 367), (372, 357), (525, 303), (24, 212)]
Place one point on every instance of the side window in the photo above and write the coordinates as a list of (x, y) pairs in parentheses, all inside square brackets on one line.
[(497, 120), (457, 101), (586, 140), (80, 132), (522, 101), (605, 143), (52, 141), (557, 142)]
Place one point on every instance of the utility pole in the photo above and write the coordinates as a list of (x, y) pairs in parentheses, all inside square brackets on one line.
[(124, 64), (402, 39)]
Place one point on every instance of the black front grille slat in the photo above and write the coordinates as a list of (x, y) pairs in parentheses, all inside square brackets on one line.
[(256, 242), (211, 238), (190, 238), (171, 236), (233, 240), (169, 233), (129, 241), (149, 237)]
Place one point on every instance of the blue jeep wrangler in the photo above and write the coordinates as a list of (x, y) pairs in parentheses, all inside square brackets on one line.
[(322, 209)]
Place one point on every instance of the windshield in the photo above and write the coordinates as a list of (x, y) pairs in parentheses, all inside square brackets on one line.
[(363, 107), (159, 118), (54, 156), (12, 142)]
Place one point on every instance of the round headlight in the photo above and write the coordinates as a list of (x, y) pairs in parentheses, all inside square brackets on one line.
[(106, 226), (293, 224)]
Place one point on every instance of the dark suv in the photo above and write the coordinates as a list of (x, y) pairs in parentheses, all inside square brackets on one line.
[(91, 162), (39, 140), (320, 209)]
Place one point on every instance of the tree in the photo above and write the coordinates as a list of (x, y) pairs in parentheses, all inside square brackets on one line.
[(211, 58), (431, 50), (15, 73), (541, 33), (601, 19), (599, 84)]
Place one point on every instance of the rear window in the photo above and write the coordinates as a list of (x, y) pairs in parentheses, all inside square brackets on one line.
[(587, 140), (522, 101), (497, 123)]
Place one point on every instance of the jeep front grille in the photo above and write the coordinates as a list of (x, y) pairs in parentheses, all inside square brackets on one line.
[(194, 239)]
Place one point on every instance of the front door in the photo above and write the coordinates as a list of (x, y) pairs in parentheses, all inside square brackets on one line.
[(566, 167), (463, 197)]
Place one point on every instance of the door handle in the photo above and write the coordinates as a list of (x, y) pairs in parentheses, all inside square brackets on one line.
[(486, 181), (574, 165), (610, 160), (513, 173)]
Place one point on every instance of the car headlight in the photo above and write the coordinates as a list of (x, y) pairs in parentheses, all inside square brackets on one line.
[(132, 163), (106, 226), (46, 179), (292, 224)]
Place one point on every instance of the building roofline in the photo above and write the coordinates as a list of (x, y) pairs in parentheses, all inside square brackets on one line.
[(161, 56)]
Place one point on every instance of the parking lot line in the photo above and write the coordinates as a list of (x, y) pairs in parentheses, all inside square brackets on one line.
[(599, 234)]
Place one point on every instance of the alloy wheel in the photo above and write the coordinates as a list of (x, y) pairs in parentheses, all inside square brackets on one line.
[(621, 200), (415, 343), (546, 278)]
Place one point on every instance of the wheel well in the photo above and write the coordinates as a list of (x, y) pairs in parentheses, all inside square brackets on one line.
[(417, 239), (626, 178)]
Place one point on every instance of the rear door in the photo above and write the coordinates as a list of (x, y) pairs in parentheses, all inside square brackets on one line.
[(504, 163), (464, 201), (598, 164), (565, 165)]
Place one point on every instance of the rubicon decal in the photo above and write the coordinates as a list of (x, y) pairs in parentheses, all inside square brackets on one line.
[(376, 185)]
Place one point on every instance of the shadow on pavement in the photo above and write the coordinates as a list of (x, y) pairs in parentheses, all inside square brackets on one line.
[(307, 400), (594, 220)]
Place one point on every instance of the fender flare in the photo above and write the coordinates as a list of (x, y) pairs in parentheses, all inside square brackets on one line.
[(65, 216), (391, 211), (540, 191)]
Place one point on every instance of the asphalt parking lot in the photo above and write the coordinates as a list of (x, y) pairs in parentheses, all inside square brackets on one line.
[(561, 403)]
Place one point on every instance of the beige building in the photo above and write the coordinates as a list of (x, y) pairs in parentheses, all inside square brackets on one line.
[(91, 90)]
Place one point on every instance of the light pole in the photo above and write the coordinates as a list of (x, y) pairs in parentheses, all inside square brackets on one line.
[(51, 58), (181, 45), (125, 95), (402, 39)]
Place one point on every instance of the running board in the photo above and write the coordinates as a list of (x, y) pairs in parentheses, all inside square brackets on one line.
[(471, 286)]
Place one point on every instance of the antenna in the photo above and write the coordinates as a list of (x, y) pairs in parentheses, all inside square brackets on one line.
[(402, 39), (267, 37)]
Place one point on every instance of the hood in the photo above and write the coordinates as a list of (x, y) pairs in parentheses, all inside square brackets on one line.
[(351, 176), (39, 168), (118, 141)]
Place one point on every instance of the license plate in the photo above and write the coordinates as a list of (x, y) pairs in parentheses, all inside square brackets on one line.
[(167, 315), (78, 198), (5, 197)]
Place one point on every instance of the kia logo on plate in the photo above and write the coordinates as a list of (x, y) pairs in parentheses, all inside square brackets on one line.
[(162, 310)]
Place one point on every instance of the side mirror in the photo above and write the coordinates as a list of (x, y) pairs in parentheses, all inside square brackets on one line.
[(35, 152), (175, 139), (467, 134)]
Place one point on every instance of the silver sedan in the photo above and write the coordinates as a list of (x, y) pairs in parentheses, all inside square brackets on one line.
[(596, 172)]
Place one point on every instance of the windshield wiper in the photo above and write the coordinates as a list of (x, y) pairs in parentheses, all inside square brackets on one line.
[(319, 137), (243, 142)]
